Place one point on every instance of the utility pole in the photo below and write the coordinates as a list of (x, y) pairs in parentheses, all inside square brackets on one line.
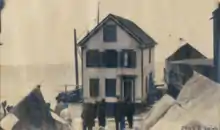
[(2, 4), (76, 60)]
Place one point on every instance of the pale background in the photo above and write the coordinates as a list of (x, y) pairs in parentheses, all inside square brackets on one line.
[(38, 36)]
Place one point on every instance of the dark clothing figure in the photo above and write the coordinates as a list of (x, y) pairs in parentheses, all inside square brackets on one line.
[(130, 110), (88, 115), (118, 113), (102, 113)]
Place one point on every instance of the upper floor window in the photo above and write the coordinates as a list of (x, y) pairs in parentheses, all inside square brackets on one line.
[(94, 87), (128, 58), (110, 58), (93, 58), (109, 33)]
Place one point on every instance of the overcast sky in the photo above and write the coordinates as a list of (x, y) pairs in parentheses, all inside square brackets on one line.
[(41, 31)]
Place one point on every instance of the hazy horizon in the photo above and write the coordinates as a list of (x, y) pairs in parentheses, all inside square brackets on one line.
[(38, 35), (41, 32)]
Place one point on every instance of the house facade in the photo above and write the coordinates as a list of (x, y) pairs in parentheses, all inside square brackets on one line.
[(117, 60), (181, 65), (185, 52)]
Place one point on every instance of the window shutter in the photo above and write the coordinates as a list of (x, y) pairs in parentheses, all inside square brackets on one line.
[(133, 59), (121, 58), (87, 58), (93, 58), (149, 55), (103, 60)]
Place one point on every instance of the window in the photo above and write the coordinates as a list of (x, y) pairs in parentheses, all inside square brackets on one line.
[(93, 58), (128, 58), (110, 87), (109, 33), (150, 55), (94, 87), (110, 58)]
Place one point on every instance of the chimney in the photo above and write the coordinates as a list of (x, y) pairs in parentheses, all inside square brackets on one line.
[(216, 40)]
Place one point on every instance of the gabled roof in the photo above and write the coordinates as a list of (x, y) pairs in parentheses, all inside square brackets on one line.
[(128, 26), (182, 53), (202, 62)]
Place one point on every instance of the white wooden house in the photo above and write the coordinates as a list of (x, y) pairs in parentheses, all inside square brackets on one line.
[(117, 60)]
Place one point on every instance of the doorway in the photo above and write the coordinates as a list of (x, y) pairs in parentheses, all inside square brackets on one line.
[(128, 88)]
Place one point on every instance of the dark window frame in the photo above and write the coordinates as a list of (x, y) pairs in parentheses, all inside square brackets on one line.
[(107, 60), (89, 60), (113, 83), (150, 54), (94, 86), (132, 61), (109, 36)]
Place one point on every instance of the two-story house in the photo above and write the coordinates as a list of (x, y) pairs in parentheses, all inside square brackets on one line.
[(117, 60)]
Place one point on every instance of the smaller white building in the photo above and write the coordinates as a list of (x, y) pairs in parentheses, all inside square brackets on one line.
[(117, 60)]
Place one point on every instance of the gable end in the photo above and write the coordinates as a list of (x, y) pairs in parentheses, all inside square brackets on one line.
[(121, 22)]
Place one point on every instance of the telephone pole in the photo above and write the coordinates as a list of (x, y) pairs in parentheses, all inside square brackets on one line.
[(76, 60), (2, 4)]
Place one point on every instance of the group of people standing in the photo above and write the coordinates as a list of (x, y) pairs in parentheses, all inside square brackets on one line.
[(122, 109)]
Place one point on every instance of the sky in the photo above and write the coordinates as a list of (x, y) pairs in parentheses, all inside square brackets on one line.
[(38, 42), (41, 31)]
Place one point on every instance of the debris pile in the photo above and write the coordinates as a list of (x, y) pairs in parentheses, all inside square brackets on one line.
[(196, 106), (33, 113)]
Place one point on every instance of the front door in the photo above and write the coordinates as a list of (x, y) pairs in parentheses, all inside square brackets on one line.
[(127, 88)]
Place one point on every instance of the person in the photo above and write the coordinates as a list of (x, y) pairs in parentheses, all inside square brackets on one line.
[(130, 110), (102, 113), (88, 115), (118, 113), (83, 116)]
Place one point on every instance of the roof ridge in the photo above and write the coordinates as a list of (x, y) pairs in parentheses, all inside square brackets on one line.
[(127, 25)]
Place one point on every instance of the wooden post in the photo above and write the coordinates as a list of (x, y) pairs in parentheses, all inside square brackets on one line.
[(76, 60), (2, 4), (65, 88)]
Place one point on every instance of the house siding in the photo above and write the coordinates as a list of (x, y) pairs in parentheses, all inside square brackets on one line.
[(148, 68), (124, 41)]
